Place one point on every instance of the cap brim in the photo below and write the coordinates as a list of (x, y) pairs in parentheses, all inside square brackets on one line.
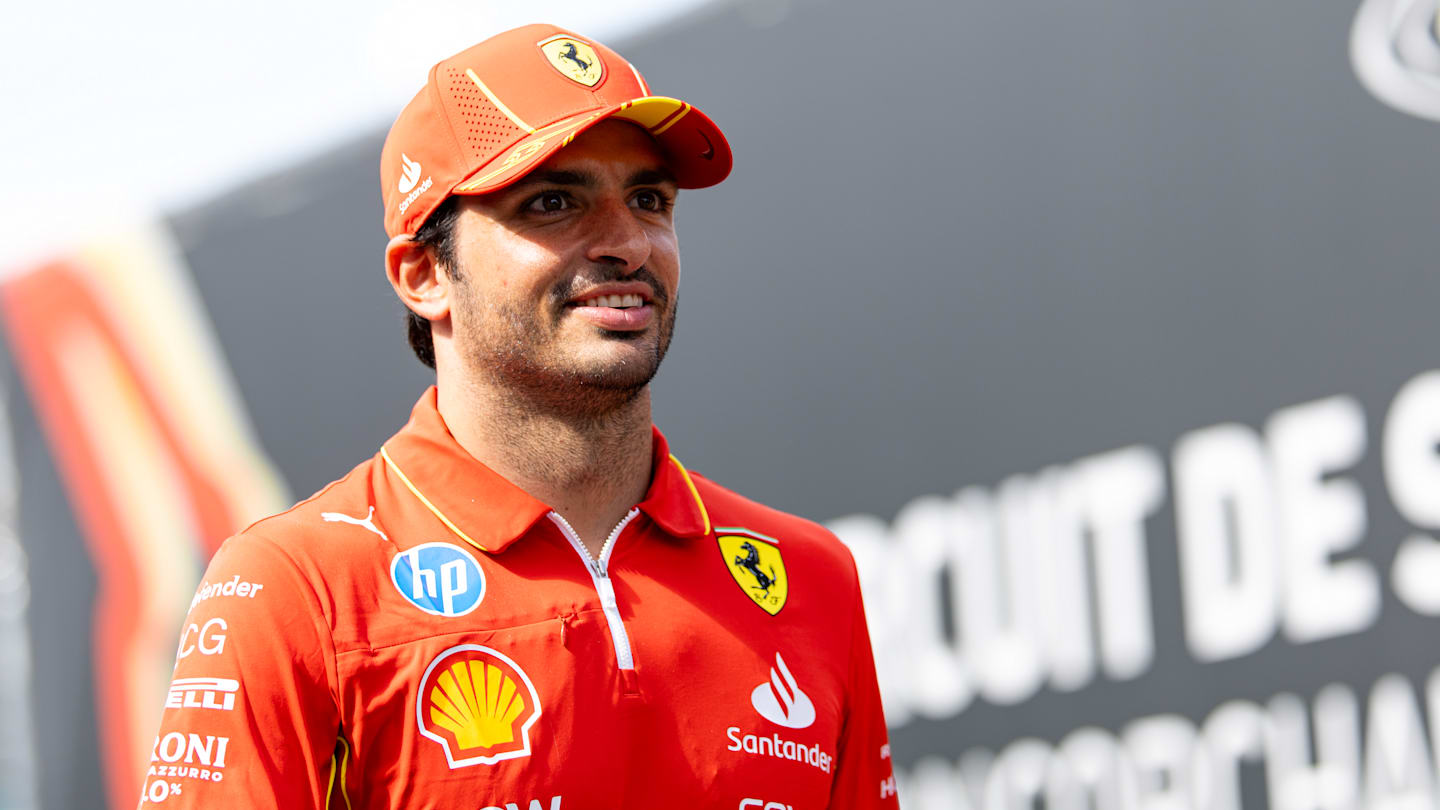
[(695, 149)]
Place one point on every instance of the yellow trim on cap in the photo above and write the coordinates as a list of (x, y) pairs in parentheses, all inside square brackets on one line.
[(655, 113), (542, 135), (650, 112), (428, 505), (673, 121), (693, 491), (519, 122)]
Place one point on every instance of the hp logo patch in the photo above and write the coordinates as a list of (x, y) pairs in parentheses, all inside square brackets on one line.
[(438, 578)]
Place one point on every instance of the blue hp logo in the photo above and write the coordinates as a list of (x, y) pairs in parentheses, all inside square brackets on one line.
[(438, 578)]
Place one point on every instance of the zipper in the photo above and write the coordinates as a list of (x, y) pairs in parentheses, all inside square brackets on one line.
[(600, 575)]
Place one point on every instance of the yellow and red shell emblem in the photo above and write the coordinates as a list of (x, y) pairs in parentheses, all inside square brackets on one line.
[(478, 704)]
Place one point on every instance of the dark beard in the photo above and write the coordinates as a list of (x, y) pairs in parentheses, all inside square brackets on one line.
[(569, 392)]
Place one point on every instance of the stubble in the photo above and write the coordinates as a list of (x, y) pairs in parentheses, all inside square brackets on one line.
[(527, 356)]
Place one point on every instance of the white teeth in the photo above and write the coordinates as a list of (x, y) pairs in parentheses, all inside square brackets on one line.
[(617, 301)]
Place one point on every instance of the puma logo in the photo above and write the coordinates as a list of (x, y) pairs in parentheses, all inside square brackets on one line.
[(367, 523)]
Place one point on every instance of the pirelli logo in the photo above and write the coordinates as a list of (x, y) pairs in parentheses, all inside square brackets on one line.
[(202, 693)]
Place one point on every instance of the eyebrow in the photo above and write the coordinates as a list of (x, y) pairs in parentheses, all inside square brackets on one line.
[(557, 177), (569, 177), (652, 177)]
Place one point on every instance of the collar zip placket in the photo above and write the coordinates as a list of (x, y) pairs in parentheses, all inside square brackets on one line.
[(604, 587)]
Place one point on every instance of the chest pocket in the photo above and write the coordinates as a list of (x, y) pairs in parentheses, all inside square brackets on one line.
[(484, 717)]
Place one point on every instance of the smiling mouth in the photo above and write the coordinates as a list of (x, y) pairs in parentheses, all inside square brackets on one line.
[(614, 301)]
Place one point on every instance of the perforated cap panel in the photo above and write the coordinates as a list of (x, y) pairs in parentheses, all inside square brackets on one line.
[(485, 128)]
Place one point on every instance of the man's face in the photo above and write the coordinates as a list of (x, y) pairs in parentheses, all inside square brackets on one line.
[(569, 276)]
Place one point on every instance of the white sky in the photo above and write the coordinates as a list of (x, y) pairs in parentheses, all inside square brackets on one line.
[(115, 112)]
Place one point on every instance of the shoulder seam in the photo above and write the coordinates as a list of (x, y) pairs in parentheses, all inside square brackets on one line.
[(314, 496)]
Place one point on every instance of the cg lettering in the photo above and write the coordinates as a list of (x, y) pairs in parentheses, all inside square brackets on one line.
[(210, 638)]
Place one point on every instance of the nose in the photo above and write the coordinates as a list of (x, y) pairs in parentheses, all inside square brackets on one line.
[(619, 237)]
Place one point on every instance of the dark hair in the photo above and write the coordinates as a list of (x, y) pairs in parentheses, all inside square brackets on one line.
[(438, 235)]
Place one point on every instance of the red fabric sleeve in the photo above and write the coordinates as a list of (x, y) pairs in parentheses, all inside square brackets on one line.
[(250, 719), (864, 777)]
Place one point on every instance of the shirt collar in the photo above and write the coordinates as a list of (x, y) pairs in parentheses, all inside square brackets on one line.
[(485, 510)]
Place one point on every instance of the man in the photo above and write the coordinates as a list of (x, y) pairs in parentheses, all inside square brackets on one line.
[(523, 600)]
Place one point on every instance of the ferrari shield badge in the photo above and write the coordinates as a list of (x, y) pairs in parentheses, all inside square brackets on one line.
[(754, 561), (575, 59)]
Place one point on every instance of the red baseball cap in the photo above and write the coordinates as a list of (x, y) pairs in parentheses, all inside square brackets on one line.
[(491, 113)]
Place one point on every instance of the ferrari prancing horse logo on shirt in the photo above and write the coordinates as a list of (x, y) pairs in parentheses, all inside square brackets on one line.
[(754, 561)]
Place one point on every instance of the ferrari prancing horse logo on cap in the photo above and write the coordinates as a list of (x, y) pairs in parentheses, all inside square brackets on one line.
[(574, 59), (754, 561)]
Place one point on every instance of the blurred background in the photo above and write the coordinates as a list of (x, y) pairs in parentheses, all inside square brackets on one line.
[(1104, 334)]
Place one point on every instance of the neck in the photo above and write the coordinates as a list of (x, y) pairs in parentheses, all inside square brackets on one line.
[(592, 468)]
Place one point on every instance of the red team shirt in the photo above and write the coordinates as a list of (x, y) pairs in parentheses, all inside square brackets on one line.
[(423, 634)]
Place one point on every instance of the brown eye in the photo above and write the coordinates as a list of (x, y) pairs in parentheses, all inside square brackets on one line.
[(650, 201), (549, 201)]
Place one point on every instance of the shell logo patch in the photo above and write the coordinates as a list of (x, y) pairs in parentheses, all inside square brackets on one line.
[(575, 59), (478, 705), (754, 561)]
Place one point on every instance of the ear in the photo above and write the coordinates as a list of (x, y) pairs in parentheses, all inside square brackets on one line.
[(418, 281)]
